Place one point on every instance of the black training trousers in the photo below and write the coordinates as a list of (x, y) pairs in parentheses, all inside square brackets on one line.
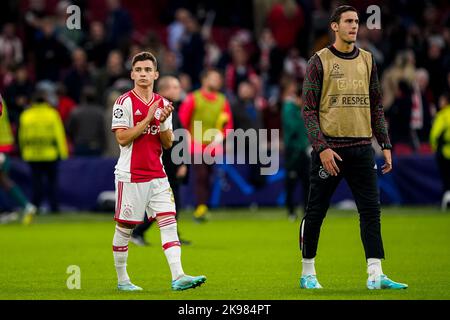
[(359, 170)]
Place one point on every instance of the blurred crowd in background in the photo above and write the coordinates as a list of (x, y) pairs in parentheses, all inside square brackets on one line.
[(260, 46)]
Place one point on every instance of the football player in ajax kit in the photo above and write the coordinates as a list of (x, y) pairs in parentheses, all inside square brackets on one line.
[(142, 123)]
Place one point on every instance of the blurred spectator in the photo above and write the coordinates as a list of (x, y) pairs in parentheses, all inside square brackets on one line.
[(86, 125), (50, 54), (18, 93), (270, 63), (112, 149), (285, 20), (426, 103), (192, 51), (247, 116), (296, 147), (6, 147), (112, 72), (119, 25), (209, 107), (238, 70), (175, 32), (295, 65), (402, 69), (43, 143), (168, 66), (399, 115), (440, 140), (365, 43), (70, 38), (33, 18), (65, 104), (10, 46), (96, 45), (435, 65), (78, 75)]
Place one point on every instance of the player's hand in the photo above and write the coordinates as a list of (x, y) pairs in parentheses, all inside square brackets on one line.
[(151, 112), (165, 113), (387, 166), (181, 172), (327, 157)]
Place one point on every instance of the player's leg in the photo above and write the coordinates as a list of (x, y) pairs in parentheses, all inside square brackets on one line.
[(290, 184), (202, 185), (362, 180), (162, 207), (322, 187), (130, 208), (137, 237), (14, 191), (304, 170)]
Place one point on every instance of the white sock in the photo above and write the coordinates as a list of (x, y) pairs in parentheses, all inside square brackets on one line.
[(171, 245), (120, 252), (308, 267), (374, 268)]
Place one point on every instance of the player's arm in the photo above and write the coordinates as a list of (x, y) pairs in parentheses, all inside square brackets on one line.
[(378, 121), (165, 127), (312, 90), (126, 136)]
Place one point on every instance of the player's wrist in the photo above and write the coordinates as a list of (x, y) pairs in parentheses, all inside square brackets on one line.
[(165, 125)]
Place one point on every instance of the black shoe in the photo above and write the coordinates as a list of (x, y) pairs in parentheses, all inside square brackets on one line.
[(139, 241), (185, 242)]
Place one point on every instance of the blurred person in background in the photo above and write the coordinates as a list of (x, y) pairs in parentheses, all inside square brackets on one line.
[(86, 124), (65, 104), (211, 108), (285, 20), (78, 75), (6, 184), (168, 87), (97, 47), (11, 51), (399, 117), (18, 93), (109, 74), (247, 116), (71, 38), (238, 70), (440, 140), (296, 147), (50, 54), (42, 142), (119, 25), (192, 51)]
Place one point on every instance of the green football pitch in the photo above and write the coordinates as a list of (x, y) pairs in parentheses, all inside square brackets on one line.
[(244, 254)]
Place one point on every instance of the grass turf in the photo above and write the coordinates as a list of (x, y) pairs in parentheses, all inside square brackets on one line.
[(244, 254)]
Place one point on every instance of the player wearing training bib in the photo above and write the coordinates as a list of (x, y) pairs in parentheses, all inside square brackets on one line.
[(342, 111), (142, 123)]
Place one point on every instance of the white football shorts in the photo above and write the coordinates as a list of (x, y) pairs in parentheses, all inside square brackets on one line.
[(134, 200)]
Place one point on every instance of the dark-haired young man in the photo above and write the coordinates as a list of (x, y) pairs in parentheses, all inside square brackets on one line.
[(142, 124), (342, 110)]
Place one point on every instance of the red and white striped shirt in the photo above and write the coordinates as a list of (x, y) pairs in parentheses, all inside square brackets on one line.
[(140, 161)]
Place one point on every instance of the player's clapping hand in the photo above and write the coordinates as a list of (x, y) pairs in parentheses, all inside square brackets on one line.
[(151, 112), (165, 112)]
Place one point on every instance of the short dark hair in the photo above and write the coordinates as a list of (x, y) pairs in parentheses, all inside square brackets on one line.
[(205, 72), (145, 55), (336, 16)]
